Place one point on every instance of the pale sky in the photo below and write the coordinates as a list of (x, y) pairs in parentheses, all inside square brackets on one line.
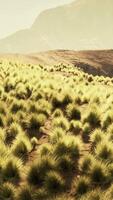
[(20, 14)]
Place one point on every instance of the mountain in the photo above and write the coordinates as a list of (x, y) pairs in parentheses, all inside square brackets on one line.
[(83, 24), (98, 62)]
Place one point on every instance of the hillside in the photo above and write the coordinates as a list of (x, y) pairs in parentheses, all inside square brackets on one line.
[(93, 62), (56, 133), (81, 25)]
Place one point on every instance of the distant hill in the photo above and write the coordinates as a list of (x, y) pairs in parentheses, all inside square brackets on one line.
[(81, 25), (98, 62)]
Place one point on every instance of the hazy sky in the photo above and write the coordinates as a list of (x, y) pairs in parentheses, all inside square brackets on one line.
[(19, 14)]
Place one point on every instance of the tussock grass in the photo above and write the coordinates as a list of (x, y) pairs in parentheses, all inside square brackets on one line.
[(56, 128)]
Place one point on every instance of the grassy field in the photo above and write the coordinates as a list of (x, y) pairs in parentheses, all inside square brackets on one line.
[(56, 133)]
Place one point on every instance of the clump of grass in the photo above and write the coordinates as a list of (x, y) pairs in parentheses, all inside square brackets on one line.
[(107, 120), (65, 164), (33, 124), (17, 106), (2, 108), (86, 131), (82, 185), (54, 183), (7, 191), (96, 194), (73, 112), (38, 171), (10, 119), (11, 171), (60, 122), (56, 135), (12, 132), (58, 113), (41, 194), (34, 143), (86, 163), (2, 121), (75, 127), (98, 173), (57, 101), (25, 194), (21, 150), (97, 136), (67, 98), (46, 149), (2, 135), (93, 118), (104, 150), (68, 145)]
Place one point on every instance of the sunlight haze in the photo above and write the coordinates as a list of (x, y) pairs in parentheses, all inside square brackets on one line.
[(20, 14)]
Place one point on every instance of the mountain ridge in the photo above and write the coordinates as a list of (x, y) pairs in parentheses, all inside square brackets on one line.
[(80, 25)]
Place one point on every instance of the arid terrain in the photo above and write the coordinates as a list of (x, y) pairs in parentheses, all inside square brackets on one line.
[(98, 62)]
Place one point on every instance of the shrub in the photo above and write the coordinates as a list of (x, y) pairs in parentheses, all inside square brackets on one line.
[(54, 183), (82, 185), (73, 112), (7, 192)]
